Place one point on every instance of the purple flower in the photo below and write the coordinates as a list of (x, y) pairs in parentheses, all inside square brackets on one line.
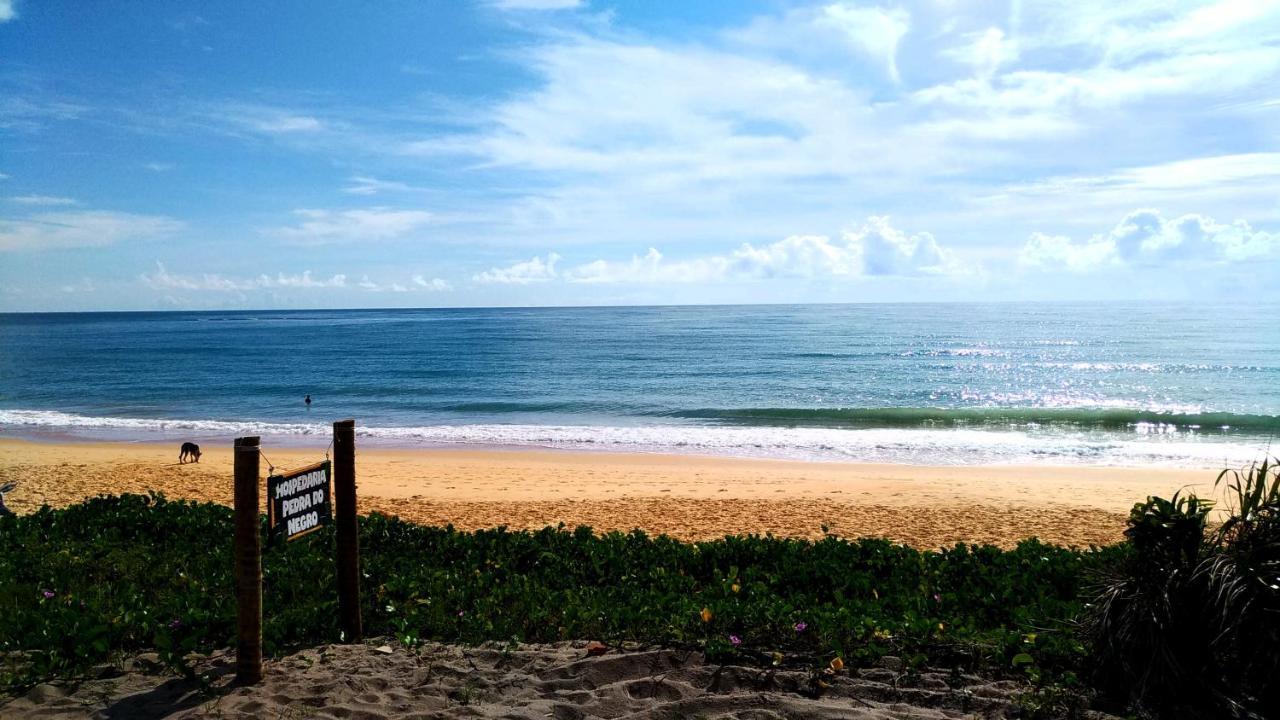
[(175, 624), (735, 640), (461, 613), (937, 598), (48, 594), (800, 626)]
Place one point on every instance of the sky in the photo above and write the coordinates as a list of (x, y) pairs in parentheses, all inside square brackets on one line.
[(210, 155)]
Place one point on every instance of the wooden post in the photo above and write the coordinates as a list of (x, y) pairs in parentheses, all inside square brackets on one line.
[(344, 495), (248, 564)]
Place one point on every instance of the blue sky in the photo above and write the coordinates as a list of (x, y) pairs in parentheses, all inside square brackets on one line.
[(549, 152)]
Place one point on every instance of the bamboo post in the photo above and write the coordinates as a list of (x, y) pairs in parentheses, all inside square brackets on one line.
[(344, 481), (248, 564)]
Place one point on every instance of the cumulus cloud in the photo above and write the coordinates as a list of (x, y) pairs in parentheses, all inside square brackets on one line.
[(875, 249), (162, 279), (434, 284), (87, 228), (1147, 238), (303, 281), (318, 227), (6, 11), (888, 251), (522, 273)]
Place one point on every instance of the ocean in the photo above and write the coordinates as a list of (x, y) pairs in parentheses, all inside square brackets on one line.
[(954, 384)]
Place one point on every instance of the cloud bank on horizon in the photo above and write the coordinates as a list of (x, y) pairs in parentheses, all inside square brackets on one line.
[(531, 152)]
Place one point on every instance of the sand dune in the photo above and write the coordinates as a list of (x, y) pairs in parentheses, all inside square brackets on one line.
[(375, 681), (690, 498)]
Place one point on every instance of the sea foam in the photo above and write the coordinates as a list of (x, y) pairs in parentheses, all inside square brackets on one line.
[(921, 446)]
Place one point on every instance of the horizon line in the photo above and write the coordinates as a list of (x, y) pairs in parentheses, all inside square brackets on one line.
[(646, 305)]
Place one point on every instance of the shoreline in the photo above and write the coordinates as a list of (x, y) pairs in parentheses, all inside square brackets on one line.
[(686, 496), (1143, 445)]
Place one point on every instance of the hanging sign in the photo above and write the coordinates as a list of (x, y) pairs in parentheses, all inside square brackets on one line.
[(299, 501)]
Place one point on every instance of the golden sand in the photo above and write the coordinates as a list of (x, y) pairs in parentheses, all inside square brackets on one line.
[(691, 498)]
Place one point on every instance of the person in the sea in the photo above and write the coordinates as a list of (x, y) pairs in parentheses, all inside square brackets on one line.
[(307, 400)]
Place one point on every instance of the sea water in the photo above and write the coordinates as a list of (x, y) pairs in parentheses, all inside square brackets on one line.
[(1101, 384)]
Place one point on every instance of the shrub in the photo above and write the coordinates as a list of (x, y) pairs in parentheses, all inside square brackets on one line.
[(1187, 625)]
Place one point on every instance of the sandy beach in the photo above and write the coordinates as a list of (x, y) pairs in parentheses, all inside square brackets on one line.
[(687, 497)]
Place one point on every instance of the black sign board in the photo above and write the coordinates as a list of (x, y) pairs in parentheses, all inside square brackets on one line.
[(299, 501)]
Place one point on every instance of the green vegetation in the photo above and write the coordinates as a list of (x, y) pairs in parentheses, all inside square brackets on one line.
[(1188, 624), (121, 574), (1181, 620)]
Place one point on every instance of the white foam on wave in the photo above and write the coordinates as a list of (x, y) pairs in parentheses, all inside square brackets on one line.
[(889, 445)]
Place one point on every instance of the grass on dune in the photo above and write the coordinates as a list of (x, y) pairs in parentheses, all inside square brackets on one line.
[(119, 574)]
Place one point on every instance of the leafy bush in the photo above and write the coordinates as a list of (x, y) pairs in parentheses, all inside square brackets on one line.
[(1188, 624), (129, 573)]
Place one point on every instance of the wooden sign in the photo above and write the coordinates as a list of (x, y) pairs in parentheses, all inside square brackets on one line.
[(299, 501)]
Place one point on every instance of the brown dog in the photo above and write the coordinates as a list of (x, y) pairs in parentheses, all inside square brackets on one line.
[(189, 450)]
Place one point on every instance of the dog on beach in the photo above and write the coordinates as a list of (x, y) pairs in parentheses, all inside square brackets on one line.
[(190, 451)]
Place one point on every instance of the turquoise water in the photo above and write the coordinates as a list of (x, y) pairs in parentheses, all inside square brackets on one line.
[(919, 383)]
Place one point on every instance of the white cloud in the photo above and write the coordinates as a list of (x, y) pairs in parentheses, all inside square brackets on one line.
[(4, 176), (1192, 173), (319, 227), (82, 228), (875, 249), (434, 284), (361, 185), (41, 200), (6, 11), (1052, 252), (1146, 238), (162, 279), (1091, 58), (522, 273), (159, 166), (303, 281), (986, 52), (887, 251), (662, 118), (836, 35), (876, 31), (284, 124), (367, 284)]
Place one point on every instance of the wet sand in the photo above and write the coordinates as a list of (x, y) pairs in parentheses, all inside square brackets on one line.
[(688, 497)]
